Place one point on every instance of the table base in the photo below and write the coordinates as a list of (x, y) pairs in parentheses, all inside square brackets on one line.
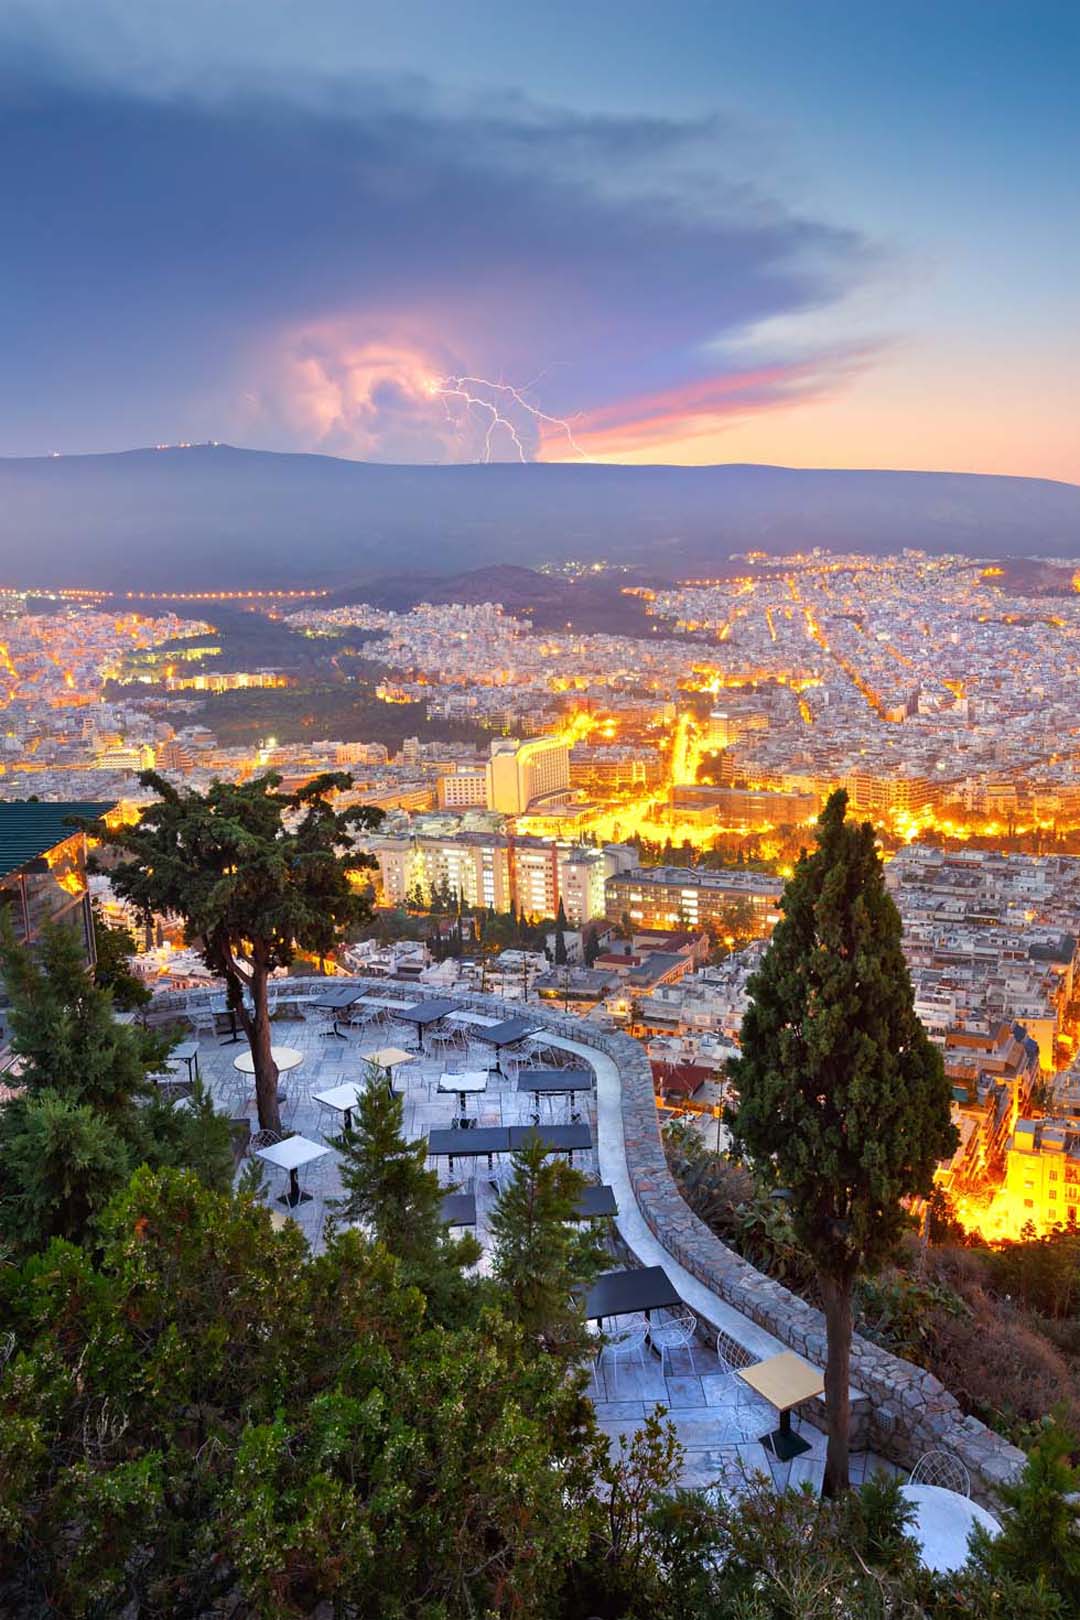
[(292, 1199), (784, 1444)]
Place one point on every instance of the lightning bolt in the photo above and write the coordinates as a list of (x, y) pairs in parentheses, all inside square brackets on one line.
[(462, 388)]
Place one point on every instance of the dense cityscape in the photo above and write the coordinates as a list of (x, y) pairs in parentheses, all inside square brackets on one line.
[(660, 787), (539, 811)]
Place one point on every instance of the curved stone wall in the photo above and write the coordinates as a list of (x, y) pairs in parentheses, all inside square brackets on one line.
[(903, 1411), (907, 1410)]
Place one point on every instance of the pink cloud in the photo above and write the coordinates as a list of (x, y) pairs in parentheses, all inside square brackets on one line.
[(680, 419)]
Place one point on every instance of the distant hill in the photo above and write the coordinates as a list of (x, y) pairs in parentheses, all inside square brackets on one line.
[(212, 515)]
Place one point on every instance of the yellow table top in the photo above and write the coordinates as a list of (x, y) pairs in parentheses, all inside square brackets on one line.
[(784, 1380), (387, 1057)]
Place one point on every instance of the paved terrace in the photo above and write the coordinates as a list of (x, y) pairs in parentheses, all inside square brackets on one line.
[(720, 1437)]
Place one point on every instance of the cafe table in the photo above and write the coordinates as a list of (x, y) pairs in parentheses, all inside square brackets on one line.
[(469, 1083), (187, 1052), (291, 1155), (944, 1521), (285, 1058), (343, 1099), (336, 1002), (624, 1293), (785, 1380), (459, 1209)]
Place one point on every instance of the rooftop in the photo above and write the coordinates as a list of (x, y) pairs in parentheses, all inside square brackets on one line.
[(28, 828)]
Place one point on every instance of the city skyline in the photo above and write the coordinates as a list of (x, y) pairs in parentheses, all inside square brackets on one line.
[(797, 237)]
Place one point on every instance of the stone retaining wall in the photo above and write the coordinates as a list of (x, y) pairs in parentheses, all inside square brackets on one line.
[(902, 1410), (907, 1410)]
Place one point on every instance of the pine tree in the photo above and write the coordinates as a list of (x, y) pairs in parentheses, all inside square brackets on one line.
[(87, 1115), (391, 1192), (842, 1096), (540, 1255), (63, 1028)]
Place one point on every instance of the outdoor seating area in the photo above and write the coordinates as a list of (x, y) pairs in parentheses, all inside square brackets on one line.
[(474, 1100), (473, 1113)]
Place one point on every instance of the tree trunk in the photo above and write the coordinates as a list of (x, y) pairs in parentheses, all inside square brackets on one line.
[(836, 1296), (266, 1073)]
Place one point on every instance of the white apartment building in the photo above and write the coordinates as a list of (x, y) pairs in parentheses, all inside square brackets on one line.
[(464, 788), (518, 773)]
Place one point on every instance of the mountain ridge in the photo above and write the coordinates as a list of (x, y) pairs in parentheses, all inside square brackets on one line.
[(216, 515)]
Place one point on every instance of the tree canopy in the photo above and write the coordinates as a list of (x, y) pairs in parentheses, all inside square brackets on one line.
[(256, 876), (87, 1114), (842, 1097), (114, 946), (206, 1412)]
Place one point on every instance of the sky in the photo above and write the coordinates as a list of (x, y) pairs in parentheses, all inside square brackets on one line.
[(797, 231)]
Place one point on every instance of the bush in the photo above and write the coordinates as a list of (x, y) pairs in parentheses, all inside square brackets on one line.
[(207, 1419), (741, 1213), (1042, 1272), (1002, 1369), (902, 1314)]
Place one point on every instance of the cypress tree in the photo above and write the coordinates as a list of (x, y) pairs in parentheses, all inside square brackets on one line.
[(560, 936), (842, 1095)]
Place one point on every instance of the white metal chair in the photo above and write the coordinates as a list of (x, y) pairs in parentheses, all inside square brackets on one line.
[(447, 1041), (672, 1329), (263, 1139), (624, 1340), (330, 1120), (944, 1469), (739, 1400)]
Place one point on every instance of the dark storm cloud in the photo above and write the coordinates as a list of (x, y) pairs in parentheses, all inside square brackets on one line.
[(184, 264)]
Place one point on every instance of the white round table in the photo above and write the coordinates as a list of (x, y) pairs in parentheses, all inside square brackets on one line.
[(944, 1521), (286, 1058)]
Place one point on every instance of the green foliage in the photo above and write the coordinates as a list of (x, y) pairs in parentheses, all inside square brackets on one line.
[(560, 936), (203, 1418), (619, 1572), (902, 1314), (398, 1200), (786, 1556), (114, 947), (88, 1115), (1042, 1272), (540, 1254), (256, 875), (842, 1095), (63, 1029), (210, 1416), (840, 1088), (741, 1212), (1036, 1558), (245, 863), (61, 1163)]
